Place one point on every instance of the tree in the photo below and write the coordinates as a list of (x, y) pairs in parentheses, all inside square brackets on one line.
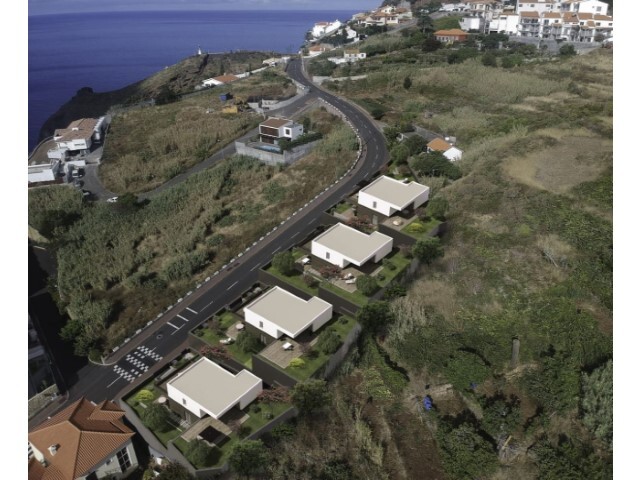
[(144, 396), (310, 396), (367, 285), (437, 208), (329, 341), (465, 453), (249, 457), (427, 250), (306, 124), (415, 144), (597, 402), (374, 316), (425, 23), (175, 471), (431, 44), (489, 60), (407, 83), (399, 154), (248, 342), (435, 164), (155, 417), (166, 95), (284, 263), (198, 453), (567, 50), (391, 135)]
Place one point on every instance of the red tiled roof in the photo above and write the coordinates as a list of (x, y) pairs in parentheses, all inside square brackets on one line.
[(275, 122), (439, 145), (85, 436), (79, 129), (226, 78), (453, 31)]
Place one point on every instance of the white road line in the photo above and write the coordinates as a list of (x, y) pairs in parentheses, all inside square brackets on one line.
[(177, 328), (175, 331), (181, 317), (119, 377), (254, 267), (275, 251), (311, 221), (232, 285), (192, 310)]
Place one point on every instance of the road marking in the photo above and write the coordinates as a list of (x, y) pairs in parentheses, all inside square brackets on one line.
[(181, 317), (175, 331), (119, 377), (192, 310), (233, 285), (254, 267), (311, 221), (177, 328), (275, 251)]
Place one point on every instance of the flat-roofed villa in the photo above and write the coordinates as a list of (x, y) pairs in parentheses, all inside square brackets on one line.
[(278, 312), (387, 196), (206, 388), (342, 245), (273, 129)]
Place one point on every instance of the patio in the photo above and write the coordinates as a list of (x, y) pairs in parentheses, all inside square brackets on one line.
[(398, 222), (276, 353), (195, 430)]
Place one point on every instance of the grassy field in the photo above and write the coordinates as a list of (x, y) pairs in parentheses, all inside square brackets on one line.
[(118, 264), (148, 146)]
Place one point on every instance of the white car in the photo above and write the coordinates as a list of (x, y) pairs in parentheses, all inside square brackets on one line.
[(112, 200)]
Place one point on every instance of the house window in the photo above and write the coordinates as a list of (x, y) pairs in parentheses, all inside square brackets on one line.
[(598, 9), (327, 255), (124, 460), (261, 324), (184, 401), (375, 204)]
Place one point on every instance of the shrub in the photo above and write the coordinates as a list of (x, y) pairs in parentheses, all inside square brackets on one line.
[(388, 264), (215, 352), (198, 452), (435, 164), (278, 394), (427, 250), (437, 208), (374, 316), (329, 341), (416, 227), (330, 271), (248, 342), (144, 396), (367, 285), (310, 281), (394, 291), (567, 50), (310, 396), (297, 363), (249, 457), (155, 417), (284, 263)]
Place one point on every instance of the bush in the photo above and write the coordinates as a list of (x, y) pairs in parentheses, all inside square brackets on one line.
[(249, 457), (248, 342), (198, 452), (367, 285), (155, 417), (329, 341), (437, 208), (394, 291), (297, 363), (144, 396), (310, 396), (567, 50), (310, 281), (399, 154), (330, 271), (427, 250), (284, 263), (374, 316), (416, 227), (435, 164), (388, 264)]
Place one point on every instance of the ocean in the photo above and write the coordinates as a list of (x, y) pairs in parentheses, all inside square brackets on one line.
[(107, 51)]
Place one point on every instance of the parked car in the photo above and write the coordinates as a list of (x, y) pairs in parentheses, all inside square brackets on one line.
[(112, 200)]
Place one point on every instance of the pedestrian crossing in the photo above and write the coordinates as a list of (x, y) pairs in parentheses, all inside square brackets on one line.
[(136, 363)]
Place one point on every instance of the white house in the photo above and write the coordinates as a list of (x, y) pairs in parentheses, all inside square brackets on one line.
[(354, 54), (584, 6), (84, 441), (438, 145), (468, 23), (76, 138), (278, 312), (325, 28), (205, 388), (387, 195), (273, 129), (341, 245), (44, 172), (504, 23), (538, 6)]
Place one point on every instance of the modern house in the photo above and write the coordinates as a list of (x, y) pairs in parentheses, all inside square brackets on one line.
[(325, 28), (438, 145), (386, 196), (316, 50), (452, 35), (206, 388), (77, 138), (220, 80), (353, 55), (341, 245), (278, 312), (84, 441), (274, 129)]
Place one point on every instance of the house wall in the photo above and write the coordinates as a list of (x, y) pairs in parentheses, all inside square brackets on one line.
[(383, 251), (453, 154), (270, 373), (186, 402), (111, 468), (375, 204), (248, 397), (321, 319), (41, 173), (268, 327), (335, 258)]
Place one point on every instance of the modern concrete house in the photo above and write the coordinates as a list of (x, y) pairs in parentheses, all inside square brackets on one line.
[(206, 388), (77, 138), (278, 312), (84, 441), (386, 196), (342, 245), (274, 129), (438, 145)]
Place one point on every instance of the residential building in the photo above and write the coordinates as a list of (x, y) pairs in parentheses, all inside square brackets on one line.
[(274, 129), (316, 50), (84, 441), (452, 35), (575, 27), (325, 28), (77, 138), (220, 80), (354, 54), (472, 22), (40, 374), (278, 312), (386, 196), (48, 171), (206, 388), (504, 23), (341, 245), (538, 6), (584, 6), (529, 25), (448, 150)]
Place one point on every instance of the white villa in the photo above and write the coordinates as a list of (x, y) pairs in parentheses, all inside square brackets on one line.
[(387, 195), (274, 128), (438, 145), (341, 245), (76, 138), (325, 28), (205, 388), (278, 312)]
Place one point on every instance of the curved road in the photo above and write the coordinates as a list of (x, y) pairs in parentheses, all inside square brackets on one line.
[(169, 332)]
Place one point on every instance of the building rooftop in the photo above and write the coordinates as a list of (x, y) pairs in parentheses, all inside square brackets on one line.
[(226, 78), (78, 129), (290, 313), (275, 122), (453, 31), (215, 389), (84, 435), (355, 246), (439, 145), (399, 194)]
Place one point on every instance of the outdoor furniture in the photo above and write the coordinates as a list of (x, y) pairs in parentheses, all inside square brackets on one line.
[(239, 326), (305, 260), (348, 276), (351, 281), (397, 223), (287, 346)]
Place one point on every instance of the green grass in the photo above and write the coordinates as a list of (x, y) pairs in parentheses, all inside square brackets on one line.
[(170, 431), (295, 280), (343, 207), (356, 297), (400, 262), (426, 227)]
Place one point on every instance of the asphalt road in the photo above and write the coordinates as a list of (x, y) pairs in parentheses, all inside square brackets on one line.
[(152, 346)]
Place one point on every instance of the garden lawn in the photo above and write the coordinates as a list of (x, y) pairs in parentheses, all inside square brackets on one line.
[(421, 232), (400, 262)]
